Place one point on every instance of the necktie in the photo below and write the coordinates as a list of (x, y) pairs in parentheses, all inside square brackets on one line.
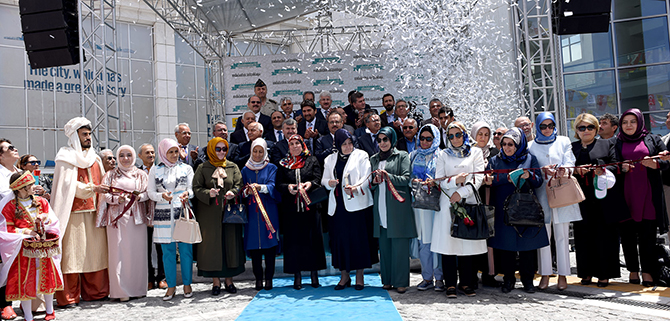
[(281, 136), (374, 140), (185, 148)]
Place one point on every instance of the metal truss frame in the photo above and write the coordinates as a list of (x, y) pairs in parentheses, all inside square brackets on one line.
[(538, 60), (98, 67)]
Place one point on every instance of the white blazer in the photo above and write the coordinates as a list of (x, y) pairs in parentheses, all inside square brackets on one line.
[(358, 169)]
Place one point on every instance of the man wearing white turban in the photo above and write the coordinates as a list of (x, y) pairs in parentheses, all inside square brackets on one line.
[(77, 178)]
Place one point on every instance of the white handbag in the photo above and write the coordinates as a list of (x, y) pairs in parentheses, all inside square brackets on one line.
[(186, 230)]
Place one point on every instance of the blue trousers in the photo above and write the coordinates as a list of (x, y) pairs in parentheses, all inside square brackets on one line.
[(431, 263), (170, 262)]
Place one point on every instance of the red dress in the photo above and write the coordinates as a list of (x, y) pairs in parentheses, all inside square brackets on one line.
[(22, 280)]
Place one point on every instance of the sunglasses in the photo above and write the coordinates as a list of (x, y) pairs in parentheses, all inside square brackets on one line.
[(11, 148), (220, 149), (382, 139), (109, 158), (428, 139), (545, 126), (507, 144), (452, 136), (584, 128), (498, 134), (407, 127), (34, 163)]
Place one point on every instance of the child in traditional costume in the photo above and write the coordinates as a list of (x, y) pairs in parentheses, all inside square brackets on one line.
[(31, 247)]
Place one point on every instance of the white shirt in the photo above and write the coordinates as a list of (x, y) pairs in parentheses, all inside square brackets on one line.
[(383, 219), (325, 112), (311, 124), (277, 132), (390, 117), (258, 115), (246, 133), (5, 174)]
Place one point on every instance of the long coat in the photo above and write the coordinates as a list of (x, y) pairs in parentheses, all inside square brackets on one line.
[(557, 153), (256, 234), (506, 237), (400, 217), (210, 215)]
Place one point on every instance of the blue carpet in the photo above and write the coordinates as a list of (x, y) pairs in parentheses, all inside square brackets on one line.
[(324, 303)]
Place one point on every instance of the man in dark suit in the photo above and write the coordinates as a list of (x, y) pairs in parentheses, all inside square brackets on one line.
[(325, 101), (388, 116), (434, 107), (239, 136), (275, 134), (188, 153), (368, 141), (286, 106), (244, 149), (324, 145), (280, 149), (254, 105), (312, 127), (408, 141), (219, 130), (355, 109), (360, 131), (446, 116)]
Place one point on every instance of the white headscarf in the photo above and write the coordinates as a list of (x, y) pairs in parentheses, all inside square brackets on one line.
[(256, 166), (473, 133), (127, 171), (73, 154)]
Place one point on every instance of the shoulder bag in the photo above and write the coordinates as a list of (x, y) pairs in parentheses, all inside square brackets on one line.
[(235, 213), (424, 197), (563, 191), (472, 221), (186, 230), (523, 210)]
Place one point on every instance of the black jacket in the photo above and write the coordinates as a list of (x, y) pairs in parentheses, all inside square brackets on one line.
[(238, 136), (365, 143), (265, 120), (319, 125), (278, 151)]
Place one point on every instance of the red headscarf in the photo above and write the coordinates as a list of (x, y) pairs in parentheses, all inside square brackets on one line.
[(295, 162)]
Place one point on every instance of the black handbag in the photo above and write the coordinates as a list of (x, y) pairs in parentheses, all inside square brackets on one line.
[(235, 213), (523, 210), (475, 225), (425, 198), (318, 195)]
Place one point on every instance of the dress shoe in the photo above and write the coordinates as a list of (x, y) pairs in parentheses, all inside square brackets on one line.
[(259, 285), (297, 281), (586, 281), (387, 287), (126, 299), (562, 283), (508, 286), (315, 279), (528, 286), (634, 281), (216, 290), (8, 313), (50, 316), (544, 283), (162, 285), (401, 289), (468, 291), (230, 288), (603, 283), (340, 286), (268, 285), (648, 283), (490, 281), (150, 286), (359, 287), (452, 292), (168, 296)]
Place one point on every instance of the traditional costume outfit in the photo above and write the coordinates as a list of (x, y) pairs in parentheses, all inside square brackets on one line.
[(175, 178), (126, 228), (74, 201), (31, 267)]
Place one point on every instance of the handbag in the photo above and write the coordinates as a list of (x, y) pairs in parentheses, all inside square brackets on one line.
[(186, 230), (475, 225), (563, 191), (235, 213), (318, 195), (523, 210), (425, 198)]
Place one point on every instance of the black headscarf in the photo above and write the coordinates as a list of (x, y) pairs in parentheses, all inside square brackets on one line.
[(341, 135), (390, 133)]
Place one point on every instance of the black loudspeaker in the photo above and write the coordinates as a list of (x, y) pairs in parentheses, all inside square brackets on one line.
[(50, 32), (581, 16)]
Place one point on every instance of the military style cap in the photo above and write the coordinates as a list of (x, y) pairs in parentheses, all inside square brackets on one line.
[(259, 83)]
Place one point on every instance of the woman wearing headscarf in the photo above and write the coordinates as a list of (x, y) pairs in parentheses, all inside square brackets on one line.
[(393, 216), (643, 191), (553, 154), (596, 235), (482, 135), (126, 221), (423, 165), (221, 253), (457, 160), (261, 233), (169, 184), (346, 175), (507, 242), (303, 240)]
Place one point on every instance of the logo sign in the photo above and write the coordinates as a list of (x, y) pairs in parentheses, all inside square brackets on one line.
[(326, 59), (318, 82), (285, 71), (370, 88), (239, 108), (282, 93), (368, 67), (253, 64), (243, 86)]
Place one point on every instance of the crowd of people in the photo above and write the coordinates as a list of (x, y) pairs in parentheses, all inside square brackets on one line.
[(382, 186)]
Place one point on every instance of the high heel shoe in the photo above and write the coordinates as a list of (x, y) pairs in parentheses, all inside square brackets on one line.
[(268, 285), (169, 297), (297, 281), (259, 285), (190, 291), (562, 283), (315, 279), (544, 283), (342, 286)]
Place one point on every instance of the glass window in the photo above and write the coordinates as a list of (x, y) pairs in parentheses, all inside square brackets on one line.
[(655, 122), (16, 97), (646, 88), (183, 52), (141, 42), (642, 41), (590, 92), (142, 77), (637, 8), (587, 51), (185, 81)]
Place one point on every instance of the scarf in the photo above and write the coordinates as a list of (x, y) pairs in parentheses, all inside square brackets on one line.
[(486, 150), (211, 152), (422, 167), (539, 138), (295, 162), (341, 136), (463, 150), (640, 132), (256, 166), (390, 133), (163, 148), (126, 171), (519, 138), (73, 154)]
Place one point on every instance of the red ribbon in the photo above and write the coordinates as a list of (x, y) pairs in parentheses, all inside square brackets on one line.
[(121, 192), (257, 199)]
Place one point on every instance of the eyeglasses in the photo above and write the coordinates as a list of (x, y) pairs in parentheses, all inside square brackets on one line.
[(34, 163), (186, 133), (426, 138), (584, 128), (545, 126), (452, 136), (498, 134), (507, 144), (220, 149), (382, 139), (407, 127), (109, 158)]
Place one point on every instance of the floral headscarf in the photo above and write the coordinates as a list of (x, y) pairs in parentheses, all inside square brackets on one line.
[(422, 168), (463, 150), (295, 162), (519, 138)]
